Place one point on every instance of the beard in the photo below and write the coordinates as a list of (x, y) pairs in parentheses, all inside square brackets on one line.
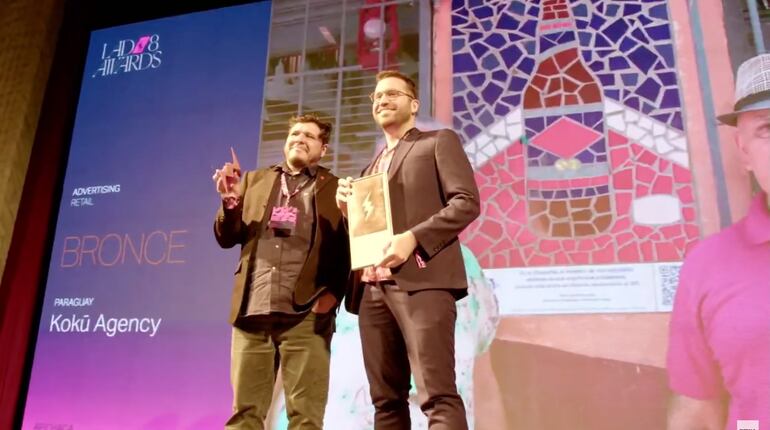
[(396, 117)]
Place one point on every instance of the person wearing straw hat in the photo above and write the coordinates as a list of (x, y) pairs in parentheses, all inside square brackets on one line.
[(719, 345)]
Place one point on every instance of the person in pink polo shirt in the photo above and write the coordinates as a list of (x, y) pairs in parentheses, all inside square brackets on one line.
[(719, 346)]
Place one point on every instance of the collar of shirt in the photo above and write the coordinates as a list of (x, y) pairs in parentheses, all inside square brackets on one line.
[(309, 171), (756, 226)]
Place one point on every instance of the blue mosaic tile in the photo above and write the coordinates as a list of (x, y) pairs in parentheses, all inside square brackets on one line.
[(670, 99), (575, 117), (486, 118), (667, 78), (487, 25), (630, 79), (581, 24), (511, 56), (667, 52), (615, 30), (495, 40), (586, 38), (463, 63), (632, 102), (580, 11), (536, 124), (612, 10), (603, 53), (471, 130), (517, 8), (644, 20), (601, 42), (475, 3), (642, 58), (515, 37), (458, 104), (491, 93), (477, 79), (531, 47), (483, 12), (458, 21), (631, 9), (627, 44), (458, 84), (545, 44), (597, 22), (507, 22), (456, 32), (649, 89), (472, 97), (664, 117), (501, 110), (474, 36), (534, 12), (529, 28), (607, 79), (659, 32), (596, 66), (500, 76), (561, 194), (639, 35), (647, 108), (517, 84), (613, 94), (533, 152), (512, 101), (676, 120), (479, 49), (601, 158), (603, 189), (527, 65), (458, 7), (592, 118), (457, 44), (490, 62), (589, 192), (659, 12), (618, 62), (587, 56)]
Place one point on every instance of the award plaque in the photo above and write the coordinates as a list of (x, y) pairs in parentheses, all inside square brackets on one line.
[(370, 225)]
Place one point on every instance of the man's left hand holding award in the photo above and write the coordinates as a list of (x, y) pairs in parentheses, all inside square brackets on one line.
[(228, 181)]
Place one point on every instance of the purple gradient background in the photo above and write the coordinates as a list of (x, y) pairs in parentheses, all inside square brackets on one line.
[(158, 133)]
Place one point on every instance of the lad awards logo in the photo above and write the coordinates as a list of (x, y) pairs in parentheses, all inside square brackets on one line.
[(127, 55)]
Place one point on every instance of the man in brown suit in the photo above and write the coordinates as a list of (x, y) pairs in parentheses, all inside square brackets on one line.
[(406, 304), (293, 266)]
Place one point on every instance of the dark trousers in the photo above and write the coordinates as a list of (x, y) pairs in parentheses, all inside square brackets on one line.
[(402, 331), (301, 345)]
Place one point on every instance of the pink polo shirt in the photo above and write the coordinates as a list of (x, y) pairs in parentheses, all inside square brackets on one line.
[(720, 326)]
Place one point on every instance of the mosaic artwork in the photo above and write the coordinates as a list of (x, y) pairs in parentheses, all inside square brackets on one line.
[(572, 117)]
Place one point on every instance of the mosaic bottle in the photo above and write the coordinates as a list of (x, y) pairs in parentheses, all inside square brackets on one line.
[(567, 173)]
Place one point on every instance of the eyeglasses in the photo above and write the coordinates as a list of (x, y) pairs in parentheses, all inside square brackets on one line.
[(388, 94)]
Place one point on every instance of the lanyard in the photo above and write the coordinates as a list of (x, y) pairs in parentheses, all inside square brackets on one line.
[(285, 188)]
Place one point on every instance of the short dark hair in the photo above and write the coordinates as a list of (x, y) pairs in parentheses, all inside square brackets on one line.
[(396, 74), (324, 126)]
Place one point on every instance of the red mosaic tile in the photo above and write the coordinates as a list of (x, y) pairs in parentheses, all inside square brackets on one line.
[(623, 180), (647, 251), (539, 260), (604, 255), (666, 251), (672, 231), (663, 185), (645, 174), (579, 257), (618, 157), (629, 253), (685, 195), (642, 231), (549, 246), (682, 175), (492, 229)]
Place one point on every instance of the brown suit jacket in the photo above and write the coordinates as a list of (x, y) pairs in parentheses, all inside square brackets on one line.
[(328, 263), (433, 193)]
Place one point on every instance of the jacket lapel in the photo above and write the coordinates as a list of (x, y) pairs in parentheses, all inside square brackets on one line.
[(402, 149)]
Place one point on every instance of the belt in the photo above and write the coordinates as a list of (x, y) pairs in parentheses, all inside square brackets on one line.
[(383, 282)]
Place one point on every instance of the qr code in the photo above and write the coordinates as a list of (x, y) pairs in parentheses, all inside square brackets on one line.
[(668, 279)]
